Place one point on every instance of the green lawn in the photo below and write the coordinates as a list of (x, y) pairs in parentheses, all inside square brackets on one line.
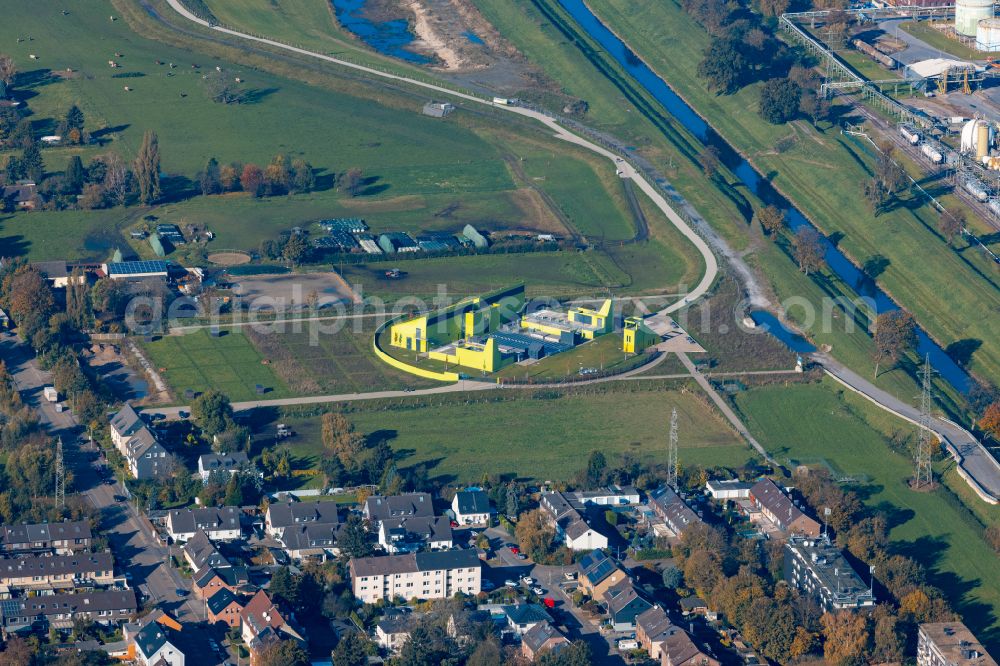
[(228, 363), (946, 290), (318, 359), (535, 438), (934, 38), (819, 423)]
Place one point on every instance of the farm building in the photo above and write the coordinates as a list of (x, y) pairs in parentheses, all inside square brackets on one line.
[(474, 237), (22, 195), (132, 270), (397, 241)]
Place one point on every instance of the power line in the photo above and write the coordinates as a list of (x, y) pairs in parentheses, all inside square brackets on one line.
[(923, 474), (60, 476), (672, 465)]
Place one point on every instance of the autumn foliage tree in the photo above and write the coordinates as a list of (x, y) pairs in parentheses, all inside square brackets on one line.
[(535, 534), (845, 637), (894, 334), (252, 179), (807, 248), (340, 438), (990, 422)]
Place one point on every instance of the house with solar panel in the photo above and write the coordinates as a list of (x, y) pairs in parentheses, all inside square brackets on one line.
[(135, 270)]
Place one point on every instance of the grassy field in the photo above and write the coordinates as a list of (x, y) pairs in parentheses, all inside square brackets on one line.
[(820, 424), (228, 363), (424, 173), (937, 40), (535, 438), (945, 289), (337, 362)]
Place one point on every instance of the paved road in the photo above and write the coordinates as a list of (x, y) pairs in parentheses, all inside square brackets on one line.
[(136, 550), (626, 170), (975, 464)]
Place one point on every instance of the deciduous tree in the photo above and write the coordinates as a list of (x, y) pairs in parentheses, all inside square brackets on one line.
[(808, 250), (252, 179), (116, 178), (351, 182), (534, 534), (209, 178), (212, 412), (353, 538), (845, 637), (779, 100), (951, 223), (8, 70), (147, 168), (894, 334), (770, 218), (340, 439), (283, 653), (351, 650)]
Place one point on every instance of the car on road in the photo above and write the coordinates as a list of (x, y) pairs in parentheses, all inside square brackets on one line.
[(537, 590), (514, 549), (520, 556), (509, 583)]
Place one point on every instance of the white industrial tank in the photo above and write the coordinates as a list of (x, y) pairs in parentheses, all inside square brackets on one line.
[(988, 35), (968, 14), (977, 137)]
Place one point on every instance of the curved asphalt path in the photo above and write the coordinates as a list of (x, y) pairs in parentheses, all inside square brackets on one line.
[(975, 464), (625, 168)]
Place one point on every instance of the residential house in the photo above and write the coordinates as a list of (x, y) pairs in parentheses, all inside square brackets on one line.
[(59, 273), (144, 456), (200, 552), (598, 573), (652, 629), (778, 508), (542, 637), (219, 523), (206, 582), (521, 618), (106, 607), (950, 644), (224, 606), (408, 535), (391, 633), (61, 538), (436, 575), (728, 489), (221, 462), (613, 495), (283, 515), (669, 507), (693, 604), (23, 195), (818, 569), (412, 505), (679, 650), (56, 571), (264, 623), (471, 507), (307, 540), (157, 644), (571, 524), (624, 604)]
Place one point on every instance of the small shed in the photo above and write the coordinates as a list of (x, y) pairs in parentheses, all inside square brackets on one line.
[(438, 109)]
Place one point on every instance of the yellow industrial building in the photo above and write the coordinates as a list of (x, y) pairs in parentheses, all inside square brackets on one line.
[(636, 336), (586, 323)]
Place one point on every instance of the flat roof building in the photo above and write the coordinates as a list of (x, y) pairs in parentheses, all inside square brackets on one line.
[(950, 644), (818, 568), (135, 270)]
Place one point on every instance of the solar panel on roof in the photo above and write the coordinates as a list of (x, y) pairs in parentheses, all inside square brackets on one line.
[(137, 267)]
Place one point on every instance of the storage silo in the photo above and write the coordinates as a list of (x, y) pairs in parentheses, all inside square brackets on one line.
[(988, 35), (968, 14)]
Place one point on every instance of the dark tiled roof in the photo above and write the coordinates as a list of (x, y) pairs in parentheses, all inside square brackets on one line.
[(53, 604), (447, 559), (622, 595), (399, 624), (420, 527), (536, 637), (472, 501), (52, 269), (211, 518), (232, 576), (395, 564), (27, 534), (221, 600), (311, 535), (669, 506), (31, 565), (203, 552), (769, 496), (293, 513), (526, 614), (655, 623), (378, 507), (151, 638), (226, 461)]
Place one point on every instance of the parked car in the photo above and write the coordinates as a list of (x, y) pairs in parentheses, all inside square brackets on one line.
[(537, 590), (514, 549), (569, 575), (628, 644), (527, 580)]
